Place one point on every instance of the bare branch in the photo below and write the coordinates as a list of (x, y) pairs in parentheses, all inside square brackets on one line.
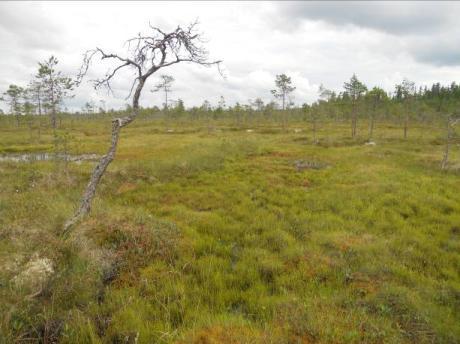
[(132, 88), (147, 55), (106, 80), (87, 57)]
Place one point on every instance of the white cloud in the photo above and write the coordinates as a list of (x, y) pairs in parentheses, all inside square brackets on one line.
[(313, 43)]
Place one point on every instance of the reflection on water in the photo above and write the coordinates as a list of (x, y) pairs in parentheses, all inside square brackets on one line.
[(29, 157)]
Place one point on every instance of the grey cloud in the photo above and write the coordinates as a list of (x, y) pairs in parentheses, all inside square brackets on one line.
[(29, 27), (326, 44), (27, 36), (426, 27), (440, 58), (388, 16), (439, 50)]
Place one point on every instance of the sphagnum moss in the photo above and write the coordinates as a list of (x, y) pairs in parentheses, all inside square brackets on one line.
[(217, 237)]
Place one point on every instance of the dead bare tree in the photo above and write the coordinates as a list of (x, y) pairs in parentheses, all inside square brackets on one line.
[(147, 55), (451, 122)]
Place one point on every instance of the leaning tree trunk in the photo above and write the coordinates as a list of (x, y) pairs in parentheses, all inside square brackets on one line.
[(181, 45), (99, 170)]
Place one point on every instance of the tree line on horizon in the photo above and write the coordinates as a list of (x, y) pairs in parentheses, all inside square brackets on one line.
[(46, 93)]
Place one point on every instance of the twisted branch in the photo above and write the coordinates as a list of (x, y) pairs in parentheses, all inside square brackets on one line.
[(148, 55)]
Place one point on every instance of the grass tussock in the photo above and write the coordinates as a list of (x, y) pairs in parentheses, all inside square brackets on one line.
[(201, 236)]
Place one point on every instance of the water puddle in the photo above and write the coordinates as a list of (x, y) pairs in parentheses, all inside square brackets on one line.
[(30, 157), (309, 165)]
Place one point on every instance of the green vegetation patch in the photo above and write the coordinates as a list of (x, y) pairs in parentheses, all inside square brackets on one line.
[(201, 236)]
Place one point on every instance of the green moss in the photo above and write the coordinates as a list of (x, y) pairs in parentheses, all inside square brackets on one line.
[(196, 236)]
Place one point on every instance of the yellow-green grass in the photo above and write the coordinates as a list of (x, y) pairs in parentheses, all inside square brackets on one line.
[(218, 238)]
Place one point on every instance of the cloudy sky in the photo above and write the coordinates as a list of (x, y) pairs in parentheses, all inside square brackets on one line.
[(313, 42)]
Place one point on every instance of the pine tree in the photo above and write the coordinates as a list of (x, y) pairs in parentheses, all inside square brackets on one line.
[(355, 89), (54, 85), (13, 97)]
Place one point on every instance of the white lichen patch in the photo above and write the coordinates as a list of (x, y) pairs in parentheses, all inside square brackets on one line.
[(35, 273), (12, 265)]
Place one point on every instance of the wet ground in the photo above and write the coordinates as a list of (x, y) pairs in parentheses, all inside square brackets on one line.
[(30, 157)]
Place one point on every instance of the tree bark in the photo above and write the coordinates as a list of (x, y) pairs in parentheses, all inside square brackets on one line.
[(99, 170), (85, 205)]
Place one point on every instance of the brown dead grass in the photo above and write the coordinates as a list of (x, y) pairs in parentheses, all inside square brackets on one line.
[(225, 335)]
